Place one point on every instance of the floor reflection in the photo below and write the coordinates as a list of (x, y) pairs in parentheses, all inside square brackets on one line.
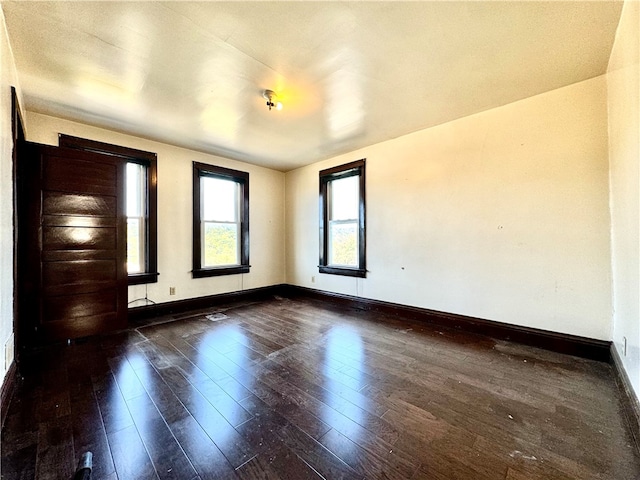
[(226, 345), (344, 356), (222, 355), (343, 366)]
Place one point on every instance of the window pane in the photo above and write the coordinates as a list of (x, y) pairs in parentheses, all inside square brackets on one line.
[(344, 198), (221, 221), (135, 243), (135, 190), (343, 244), (220, 244), (219, 199), (136, 217), (342, 220)]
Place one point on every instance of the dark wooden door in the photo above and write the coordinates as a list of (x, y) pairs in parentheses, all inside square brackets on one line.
[(74, 232)]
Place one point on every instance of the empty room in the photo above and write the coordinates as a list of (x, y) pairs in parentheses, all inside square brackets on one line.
[(320, 240)]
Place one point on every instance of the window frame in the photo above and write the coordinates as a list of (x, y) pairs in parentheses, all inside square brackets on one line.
[(150, 161), (356, 168), (242, 178)]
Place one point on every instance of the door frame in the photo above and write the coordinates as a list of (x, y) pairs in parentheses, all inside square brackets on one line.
[(17, 136)]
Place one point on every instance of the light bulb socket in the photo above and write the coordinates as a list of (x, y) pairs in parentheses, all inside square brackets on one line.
[(272, 98)]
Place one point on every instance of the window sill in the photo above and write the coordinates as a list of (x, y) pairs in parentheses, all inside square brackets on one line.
[(346, 271), (218, 271), (141, 278)]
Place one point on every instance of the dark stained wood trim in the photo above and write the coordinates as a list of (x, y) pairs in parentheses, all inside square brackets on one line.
[(8, 388), (203, 170), (558, 342), (342, 170), (18, 136), (142, 278), (180, 306), (70, 141), (220, 271), (630, 404), (353, 168), (196, 242), (345, 271)]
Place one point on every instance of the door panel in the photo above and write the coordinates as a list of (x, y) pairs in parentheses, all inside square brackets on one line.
[(76, 327), (57, 203), (64, 174), (60, 220), (74, 277), (79, 238), (76, 231), (71, 255), (60, 308)]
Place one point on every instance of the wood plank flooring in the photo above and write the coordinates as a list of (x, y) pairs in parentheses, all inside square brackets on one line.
[(296, 389)]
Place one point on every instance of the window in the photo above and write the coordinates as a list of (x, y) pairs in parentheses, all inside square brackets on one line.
[(141, 202), (342, 220), (136, 217), (220, 221)]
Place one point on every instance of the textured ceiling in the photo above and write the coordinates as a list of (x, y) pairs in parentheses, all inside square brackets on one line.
[(349, 74)]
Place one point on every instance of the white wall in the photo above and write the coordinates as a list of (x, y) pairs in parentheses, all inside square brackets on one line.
[(266, 223), (8, 78), (623, 82), (502, 215)]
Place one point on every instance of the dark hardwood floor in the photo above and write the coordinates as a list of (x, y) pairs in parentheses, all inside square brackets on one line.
[(296, 389)]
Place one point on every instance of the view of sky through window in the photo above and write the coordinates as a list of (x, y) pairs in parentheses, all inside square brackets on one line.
[(219, 199), (344, 198)]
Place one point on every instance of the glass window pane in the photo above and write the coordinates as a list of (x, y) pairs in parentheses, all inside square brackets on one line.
[(219, 199), (343, 244), (135, 242), (135, 176), (344, 198), (136, 213), (220, 244)]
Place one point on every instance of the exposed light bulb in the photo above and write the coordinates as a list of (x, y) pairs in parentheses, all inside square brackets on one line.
[(271, 98)]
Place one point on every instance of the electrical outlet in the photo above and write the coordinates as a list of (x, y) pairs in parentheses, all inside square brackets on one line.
[(313, 279), (172, 290), (624, 346)]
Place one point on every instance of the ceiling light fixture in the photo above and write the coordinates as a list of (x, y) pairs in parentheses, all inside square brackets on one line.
[(272, 99)]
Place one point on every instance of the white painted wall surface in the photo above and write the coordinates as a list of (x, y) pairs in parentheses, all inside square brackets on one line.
[(266, 222), (502, 215), (8, 78), (623, 81)]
